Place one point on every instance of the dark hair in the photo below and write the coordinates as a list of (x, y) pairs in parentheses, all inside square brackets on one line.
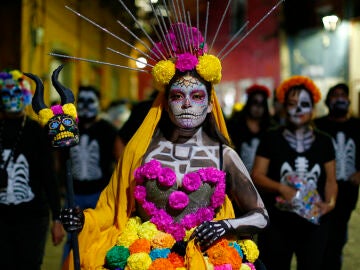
[(209, 125), (342, 86), (90, 89), (298, 88)]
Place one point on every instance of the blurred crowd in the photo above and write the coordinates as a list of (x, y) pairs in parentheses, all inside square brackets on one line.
[(292, 157)]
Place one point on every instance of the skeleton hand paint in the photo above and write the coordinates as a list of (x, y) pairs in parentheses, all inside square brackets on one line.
[(209, 232), (188, 102), (73, 219)]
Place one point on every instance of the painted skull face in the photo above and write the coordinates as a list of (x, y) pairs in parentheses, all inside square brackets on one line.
[(12, 99), (88, 104), (257, 106), (63, 131), (188, 102), (299, 107)]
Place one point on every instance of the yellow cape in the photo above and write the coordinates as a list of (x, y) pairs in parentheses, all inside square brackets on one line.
[(116, 204)]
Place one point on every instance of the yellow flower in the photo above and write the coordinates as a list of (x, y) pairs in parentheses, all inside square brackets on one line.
[(148, 230), (162, 73), (126, 238), (209, 68), (16, 74), (245, 267), (70, 109), (133, 224), (139, 261), (249, 249), (44, 116)]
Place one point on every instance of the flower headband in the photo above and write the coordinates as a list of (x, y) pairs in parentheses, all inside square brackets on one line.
[(258, 88), (184, 55), (298, 81)]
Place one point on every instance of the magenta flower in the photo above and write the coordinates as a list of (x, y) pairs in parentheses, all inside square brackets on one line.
[(186, 61), (212, 175), (167, 177), (152, 169), (191, 182), (226, 266), (140, 194), (178, 200), (138, 176)]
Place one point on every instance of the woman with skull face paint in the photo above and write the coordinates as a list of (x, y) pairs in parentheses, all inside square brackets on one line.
[(247, 126), (294, 170), (28, 187), (177, 180), (345, 131)]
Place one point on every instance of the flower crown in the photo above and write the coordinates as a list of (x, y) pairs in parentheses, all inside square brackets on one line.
[(184, 55), (258, 88), (15, 78), (298, 81)]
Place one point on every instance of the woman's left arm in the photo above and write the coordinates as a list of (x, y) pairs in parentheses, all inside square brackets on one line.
[(244, 195)]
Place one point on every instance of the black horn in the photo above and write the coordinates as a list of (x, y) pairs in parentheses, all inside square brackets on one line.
[(66, 94), (38, 98)]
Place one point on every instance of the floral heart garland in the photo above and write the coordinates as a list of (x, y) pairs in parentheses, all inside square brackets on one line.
[(178, 200)]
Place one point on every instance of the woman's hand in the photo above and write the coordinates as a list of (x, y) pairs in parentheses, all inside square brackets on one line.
[(287, 192), (73, 219)]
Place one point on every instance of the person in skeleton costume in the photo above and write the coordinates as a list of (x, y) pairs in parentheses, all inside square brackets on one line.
[(345, 132), (170, 200), (294, 170), (28, 190), (246, 126), (94, 158)]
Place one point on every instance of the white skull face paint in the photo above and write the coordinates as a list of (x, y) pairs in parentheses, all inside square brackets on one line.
[(188, 102), (88, 104), (299, 107)]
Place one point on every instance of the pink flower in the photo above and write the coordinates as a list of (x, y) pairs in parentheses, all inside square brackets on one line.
[(167, 177), (149, 207), (191, 182), (189, 221), (226, 266), (57, 109), (161, 219), (186, 61), (138, 176), (178, 200), (218, 197), (176, 230), (152, 169), (204, 214), (212, 175), (140, 194)]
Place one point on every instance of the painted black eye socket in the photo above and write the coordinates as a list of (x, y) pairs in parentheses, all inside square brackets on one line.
[(54, 124), (305, 104), (68, 121)]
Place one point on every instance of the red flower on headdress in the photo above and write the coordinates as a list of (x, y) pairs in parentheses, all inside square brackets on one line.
[(258, 88)]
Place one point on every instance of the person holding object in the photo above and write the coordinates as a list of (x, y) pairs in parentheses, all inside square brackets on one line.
[(294, 170), (170, 199)]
